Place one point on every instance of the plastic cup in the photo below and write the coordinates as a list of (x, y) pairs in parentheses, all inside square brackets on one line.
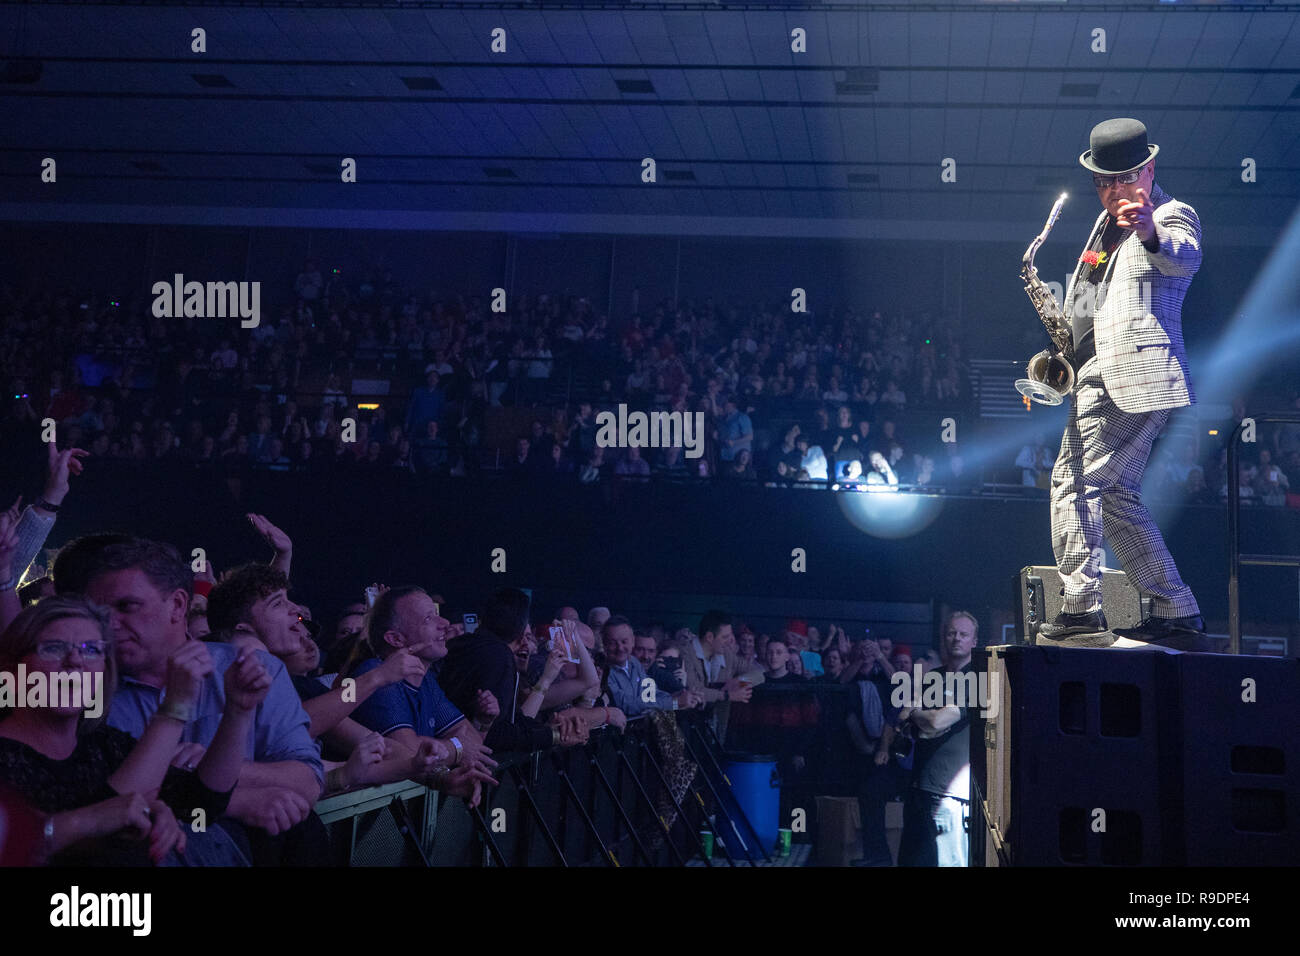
[(783, 837)]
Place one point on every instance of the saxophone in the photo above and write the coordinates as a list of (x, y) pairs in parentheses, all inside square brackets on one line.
[(1050, 373)]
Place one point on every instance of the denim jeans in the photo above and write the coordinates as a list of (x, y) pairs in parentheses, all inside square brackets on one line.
[(211, 847), (934, 830)]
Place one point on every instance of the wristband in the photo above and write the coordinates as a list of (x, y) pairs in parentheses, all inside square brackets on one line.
[(336, 779), (176, 711), (46, 506), (455, 742), (555, 736)]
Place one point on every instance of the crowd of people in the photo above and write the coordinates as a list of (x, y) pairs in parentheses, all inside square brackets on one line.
[(1194, 469), (225, 699), (844, 396), (126, 385)]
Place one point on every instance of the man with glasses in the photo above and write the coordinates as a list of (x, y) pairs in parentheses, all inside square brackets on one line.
[(1124, 303)]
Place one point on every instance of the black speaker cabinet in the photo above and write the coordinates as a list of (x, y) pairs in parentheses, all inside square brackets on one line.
[(1135, 757), (1240, 783), (1068, 760), (1038, 598)]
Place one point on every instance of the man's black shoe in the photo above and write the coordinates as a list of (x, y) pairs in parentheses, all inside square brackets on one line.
[(1175, 633), (1074, 626)]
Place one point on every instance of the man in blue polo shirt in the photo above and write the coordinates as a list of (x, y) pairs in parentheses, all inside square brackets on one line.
[(407, 617)]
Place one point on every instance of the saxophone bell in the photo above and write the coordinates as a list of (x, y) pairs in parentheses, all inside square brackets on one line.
[(1051, 379)]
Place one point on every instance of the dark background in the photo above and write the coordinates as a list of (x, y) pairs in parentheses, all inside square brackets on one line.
[(659, 549)]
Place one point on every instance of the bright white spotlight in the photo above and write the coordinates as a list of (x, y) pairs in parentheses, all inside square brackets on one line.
[(886, 515)]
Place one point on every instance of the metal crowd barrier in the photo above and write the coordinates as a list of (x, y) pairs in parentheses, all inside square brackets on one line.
[(607, 803)]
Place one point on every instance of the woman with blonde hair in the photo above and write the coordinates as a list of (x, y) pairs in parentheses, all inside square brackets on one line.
[(103, 792)]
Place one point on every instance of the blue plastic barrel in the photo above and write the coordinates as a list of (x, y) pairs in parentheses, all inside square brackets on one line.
[(757, 786)]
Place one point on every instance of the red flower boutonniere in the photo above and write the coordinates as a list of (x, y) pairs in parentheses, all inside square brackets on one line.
[(1091, 258)]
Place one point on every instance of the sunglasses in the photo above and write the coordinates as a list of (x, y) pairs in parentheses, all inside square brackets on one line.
[(1124, 179)]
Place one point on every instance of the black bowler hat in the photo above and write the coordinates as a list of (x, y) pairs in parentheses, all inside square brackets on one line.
[(1118, 146)]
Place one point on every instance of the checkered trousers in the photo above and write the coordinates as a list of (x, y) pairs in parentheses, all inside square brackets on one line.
[(1097, 489)]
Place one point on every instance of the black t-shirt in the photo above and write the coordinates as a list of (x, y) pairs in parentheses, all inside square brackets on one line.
[(793, 460), (80, 779), (308, 687), (786, 678), (1089, 283), (942, 764)]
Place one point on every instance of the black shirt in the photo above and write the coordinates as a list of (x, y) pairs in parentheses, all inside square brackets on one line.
[(942, 764), (786, 678), (54, 786), (308, 687), (482, 661), (1089, 283)]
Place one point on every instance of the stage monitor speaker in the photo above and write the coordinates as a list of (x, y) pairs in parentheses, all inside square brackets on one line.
[(1038, 598), (1240, 774), (1068, 760)]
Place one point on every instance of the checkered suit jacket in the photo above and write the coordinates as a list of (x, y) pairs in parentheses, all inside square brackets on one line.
[(1138, 325)]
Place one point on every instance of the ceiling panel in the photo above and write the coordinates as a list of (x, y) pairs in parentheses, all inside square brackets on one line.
[(730, 101)]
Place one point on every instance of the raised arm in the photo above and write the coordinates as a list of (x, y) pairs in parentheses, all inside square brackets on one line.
[(280, 542), (564, 690), (1174, 247)]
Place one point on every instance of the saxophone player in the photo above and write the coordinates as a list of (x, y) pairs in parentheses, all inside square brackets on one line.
[(1124, 305)]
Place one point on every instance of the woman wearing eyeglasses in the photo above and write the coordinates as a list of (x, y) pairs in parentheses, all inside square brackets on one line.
[(110, 799)]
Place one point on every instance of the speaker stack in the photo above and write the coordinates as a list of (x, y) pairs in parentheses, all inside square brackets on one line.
[(1133, 756)]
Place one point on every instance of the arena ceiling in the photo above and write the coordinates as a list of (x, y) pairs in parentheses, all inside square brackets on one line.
[(847, 139)]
